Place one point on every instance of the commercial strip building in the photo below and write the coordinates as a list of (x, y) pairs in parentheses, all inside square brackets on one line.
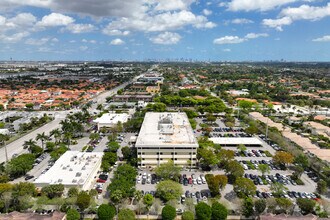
[(72, 169), (166, 136), (236, 141), (110, 120), (305, 143)]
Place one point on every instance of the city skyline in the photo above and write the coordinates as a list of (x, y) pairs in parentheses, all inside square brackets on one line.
[(235, 30)]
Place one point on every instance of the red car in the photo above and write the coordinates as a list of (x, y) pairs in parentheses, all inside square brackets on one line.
[(101, 181), (190, 180)]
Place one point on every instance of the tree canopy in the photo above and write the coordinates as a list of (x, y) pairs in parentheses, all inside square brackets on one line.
[(168, 170), (168, 190)]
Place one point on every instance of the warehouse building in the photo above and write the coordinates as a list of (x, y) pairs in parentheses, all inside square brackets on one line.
[(73, 169), (166, 136), (110, 120)]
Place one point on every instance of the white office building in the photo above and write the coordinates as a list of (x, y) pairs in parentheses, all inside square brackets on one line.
[(73, 169), (164, 136), (110, 120)]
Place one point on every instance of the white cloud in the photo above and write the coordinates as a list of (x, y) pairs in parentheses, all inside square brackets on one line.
[(254, 35), (37, 42), (80, 28), (325, 38), (55, 19), (108, 31), (304, 12), (228, 40), (237, 40), (93, 41), (260, 5), (169, 5), (207, 12), (166, 38), (226, 50), (83, 48), (14, 37), (162, 22), (55, 40), (241, 21), (277, 23), (23, 19), (117, 41)]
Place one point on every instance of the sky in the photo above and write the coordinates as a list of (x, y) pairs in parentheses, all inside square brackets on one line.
[(215, 30)]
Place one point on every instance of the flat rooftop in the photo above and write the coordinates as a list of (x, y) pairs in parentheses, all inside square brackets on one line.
[(72, 168), (111, 118), (236, 141), (166, 129)]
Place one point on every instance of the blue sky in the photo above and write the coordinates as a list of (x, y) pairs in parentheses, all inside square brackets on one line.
[(232, 30)]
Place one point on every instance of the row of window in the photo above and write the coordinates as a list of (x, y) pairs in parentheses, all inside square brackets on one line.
[(161, 153)]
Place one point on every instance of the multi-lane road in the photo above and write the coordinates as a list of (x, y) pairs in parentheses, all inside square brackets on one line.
[(16, 147)]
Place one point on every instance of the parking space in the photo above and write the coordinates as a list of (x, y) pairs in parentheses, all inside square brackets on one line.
[(193, 184)]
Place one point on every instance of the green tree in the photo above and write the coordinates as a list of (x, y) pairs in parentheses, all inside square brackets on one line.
[(83, 200), (322, 187), (206, 157), (301, 160), (284, 203), (219, 211), (244, 187), (50, 146), (203, 211), (168, 190), (168, 212), (52, 191), (278, 189), (42, 137), (148, 199), (215, 183), (263, 168), (126, 151), (72, 214), (126, 214), (247, 207), (234, 170), (73, 192), (24, 188), (245, 104), (168, 171), (260, 206), (252, 129), (225, 156), (124, 180), (106, 212), (188, 215), (306, 205), (20, 165)]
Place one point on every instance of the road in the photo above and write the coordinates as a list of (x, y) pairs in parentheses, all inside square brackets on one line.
[(16, 147)]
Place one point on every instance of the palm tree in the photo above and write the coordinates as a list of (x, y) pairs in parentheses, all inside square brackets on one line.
[(42, 137), (30, 143), (3, 138), (57, 134), (67, 138)]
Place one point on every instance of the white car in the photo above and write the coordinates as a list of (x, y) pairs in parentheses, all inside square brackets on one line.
[(199, 181)]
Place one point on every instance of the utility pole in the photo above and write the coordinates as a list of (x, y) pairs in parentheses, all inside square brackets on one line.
[(6, 152)]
